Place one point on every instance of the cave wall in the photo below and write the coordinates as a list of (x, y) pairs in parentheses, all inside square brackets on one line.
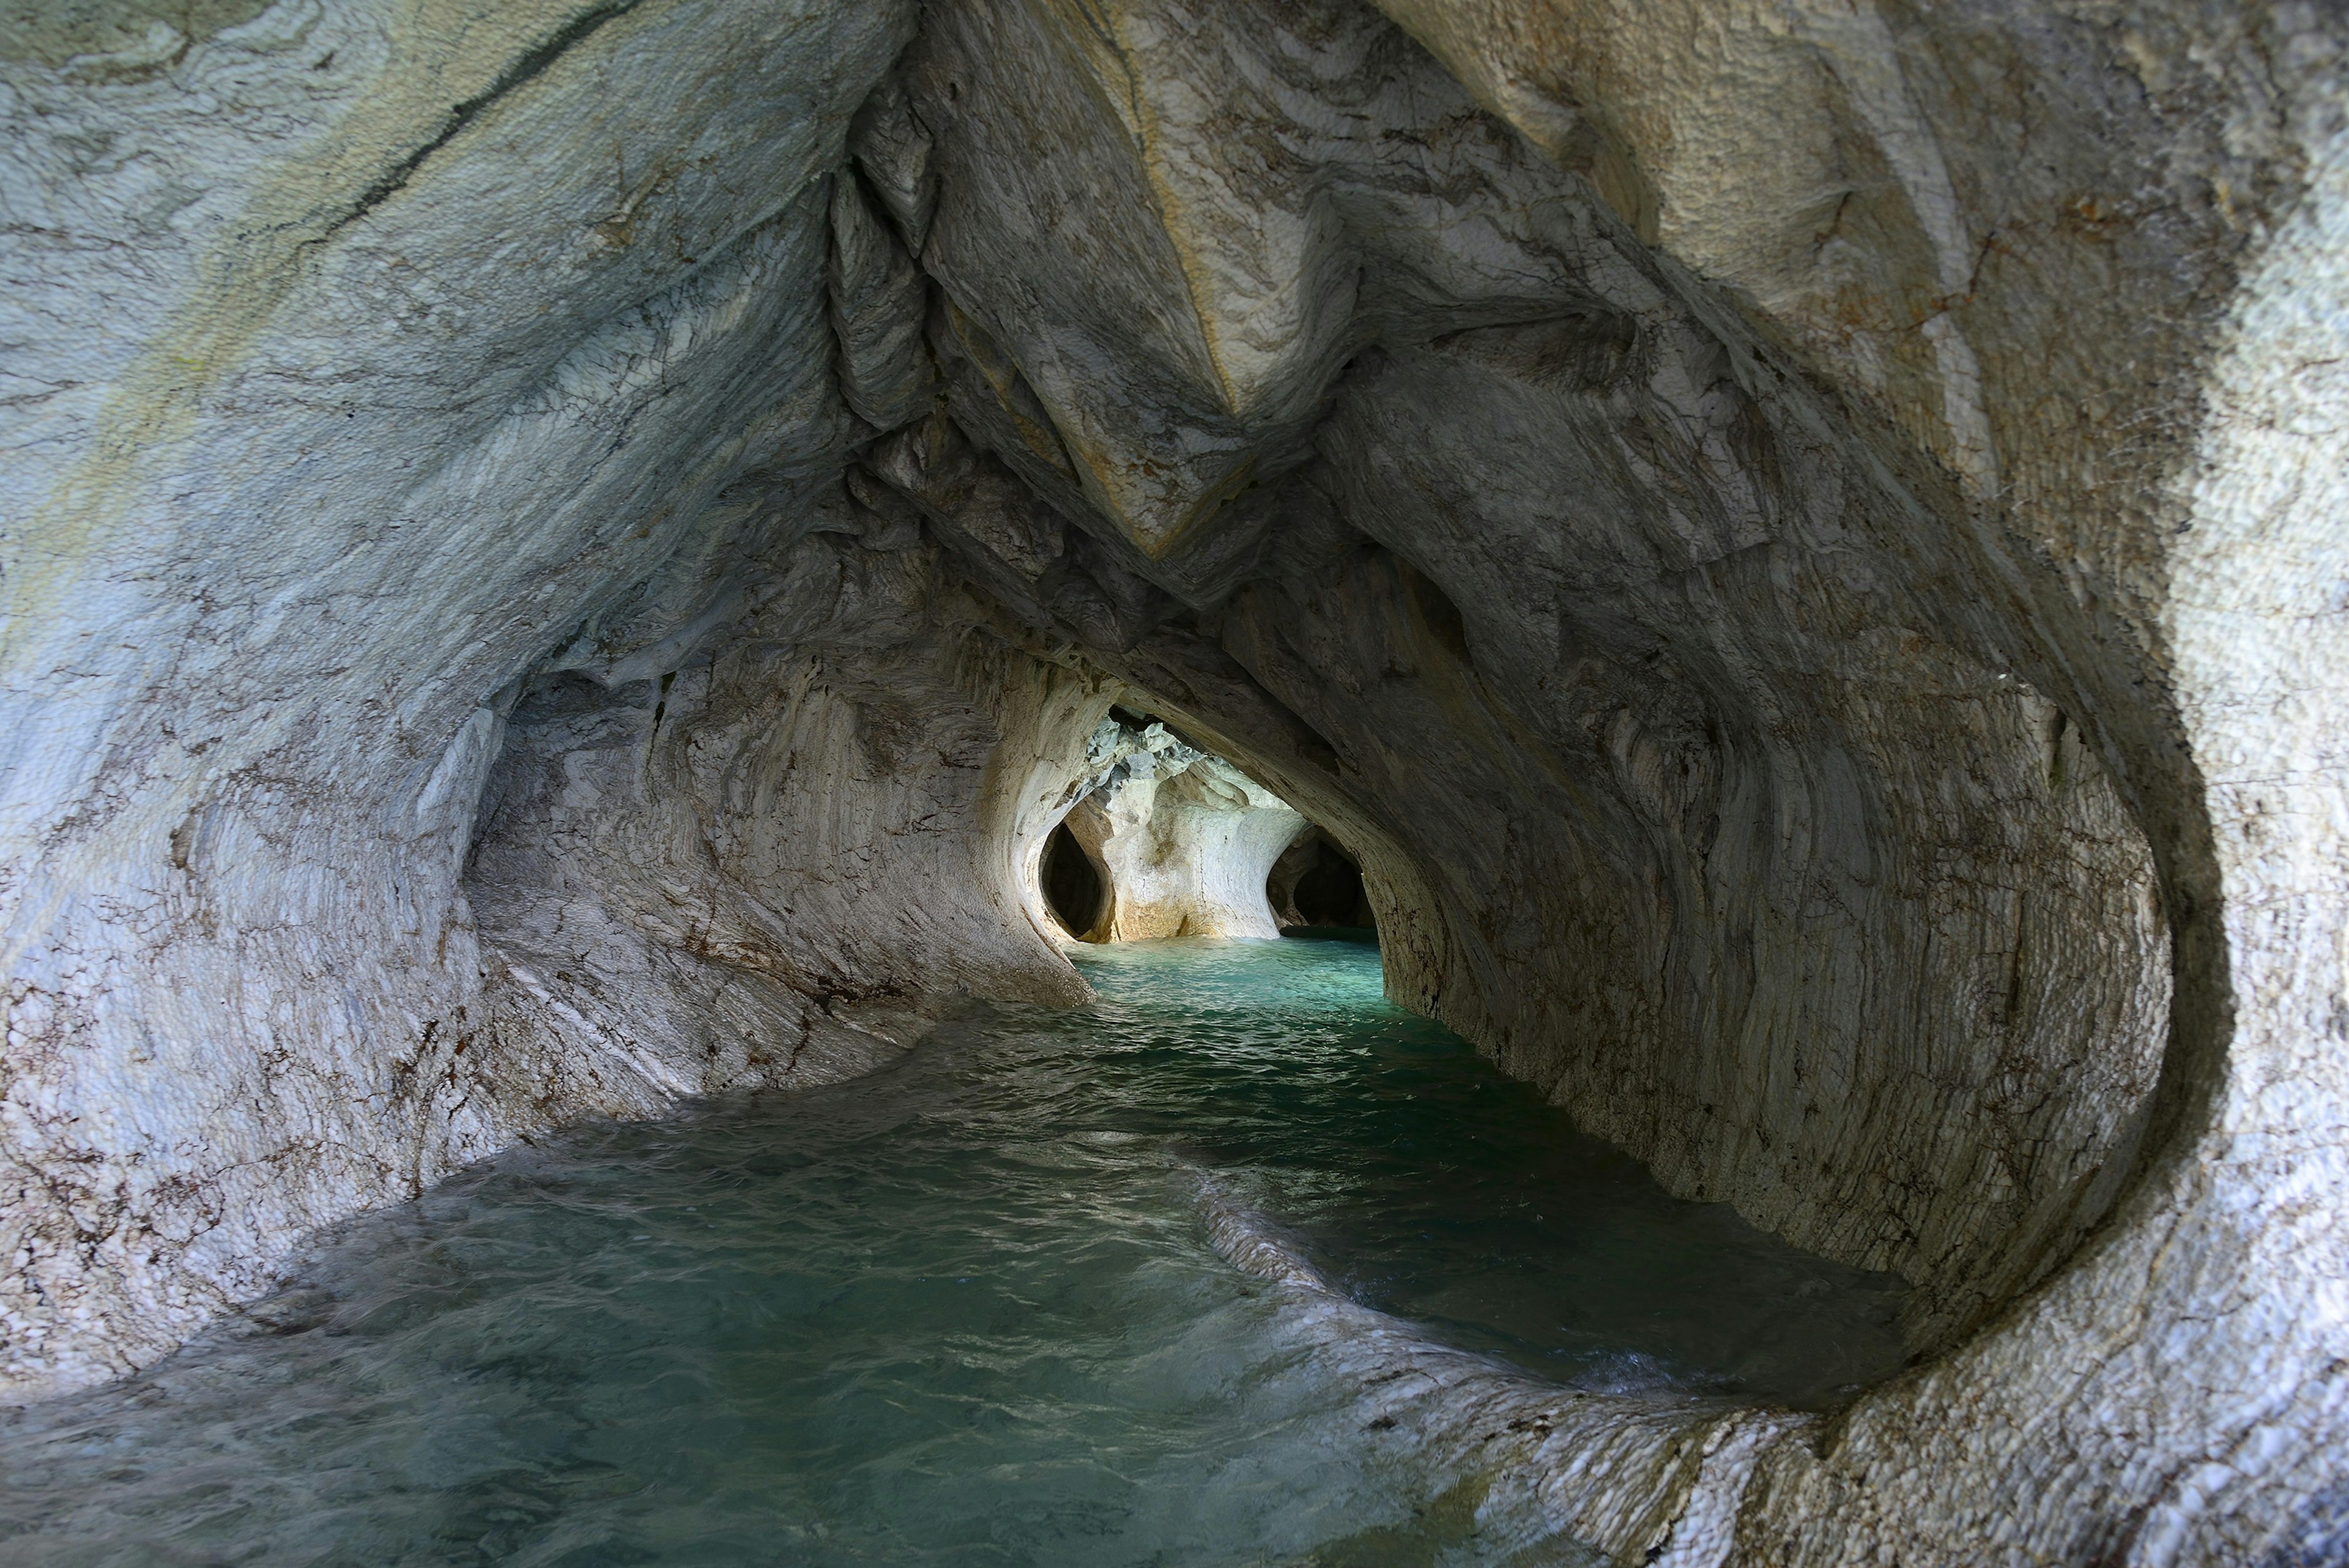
[(359, 358), (560, 559), (765, 868)]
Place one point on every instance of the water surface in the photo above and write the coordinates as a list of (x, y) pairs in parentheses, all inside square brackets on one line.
[(962, 1312)]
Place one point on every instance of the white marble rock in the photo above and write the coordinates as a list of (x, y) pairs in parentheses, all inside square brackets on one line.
[(561, 557)]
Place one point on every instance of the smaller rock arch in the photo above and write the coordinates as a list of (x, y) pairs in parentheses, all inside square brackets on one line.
[(1318, 882), (1167, 838)]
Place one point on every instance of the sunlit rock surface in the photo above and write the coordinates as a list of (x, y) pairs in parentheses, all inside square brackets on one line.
[(562, 558), (1184, 841)]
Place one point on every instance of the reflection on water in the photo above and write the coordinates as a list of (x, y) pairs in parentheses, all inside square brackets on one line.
[(963, 1312)]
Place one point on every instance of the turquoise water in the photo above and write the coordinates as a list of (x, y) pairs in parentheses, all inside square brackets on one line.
[(963, 1312)]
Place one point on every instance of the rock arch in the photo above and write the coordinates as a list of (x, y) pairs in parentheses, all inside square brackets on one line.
[(570, 561)]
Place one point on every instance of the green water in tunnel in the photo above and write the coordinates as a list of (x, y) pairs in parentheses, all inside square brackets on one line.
[(961, 1312)]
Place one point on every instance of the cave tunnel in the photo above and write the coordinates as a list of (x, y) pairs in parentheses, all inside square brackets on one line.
[(1072, 885), (670, 671), (1316, 884), (1167, 839)]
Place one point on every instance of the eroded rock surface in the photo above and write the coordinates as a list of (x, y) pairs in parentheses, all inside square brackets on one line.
[(1185, 842), (560, 559)]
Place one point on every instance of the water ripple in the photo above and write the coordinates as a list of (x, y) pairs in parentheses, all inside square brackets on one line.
[(982, 1308)]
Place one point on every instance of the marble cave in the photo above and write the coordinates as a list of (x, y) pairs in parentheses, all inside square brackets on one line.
[(1308, 781)]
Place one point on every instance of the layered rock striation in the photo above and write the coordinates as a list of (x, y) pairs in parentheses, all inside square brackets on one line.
[(559, 560)]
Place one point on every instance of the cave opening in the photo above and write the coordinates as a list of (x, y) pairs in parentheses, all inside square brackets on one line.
[(1316, 888), (1161, 837), (1072, 886)]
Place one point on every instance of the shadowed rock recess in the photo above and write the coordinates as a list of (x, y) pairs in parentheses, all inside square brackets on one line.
[(562, 556)]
